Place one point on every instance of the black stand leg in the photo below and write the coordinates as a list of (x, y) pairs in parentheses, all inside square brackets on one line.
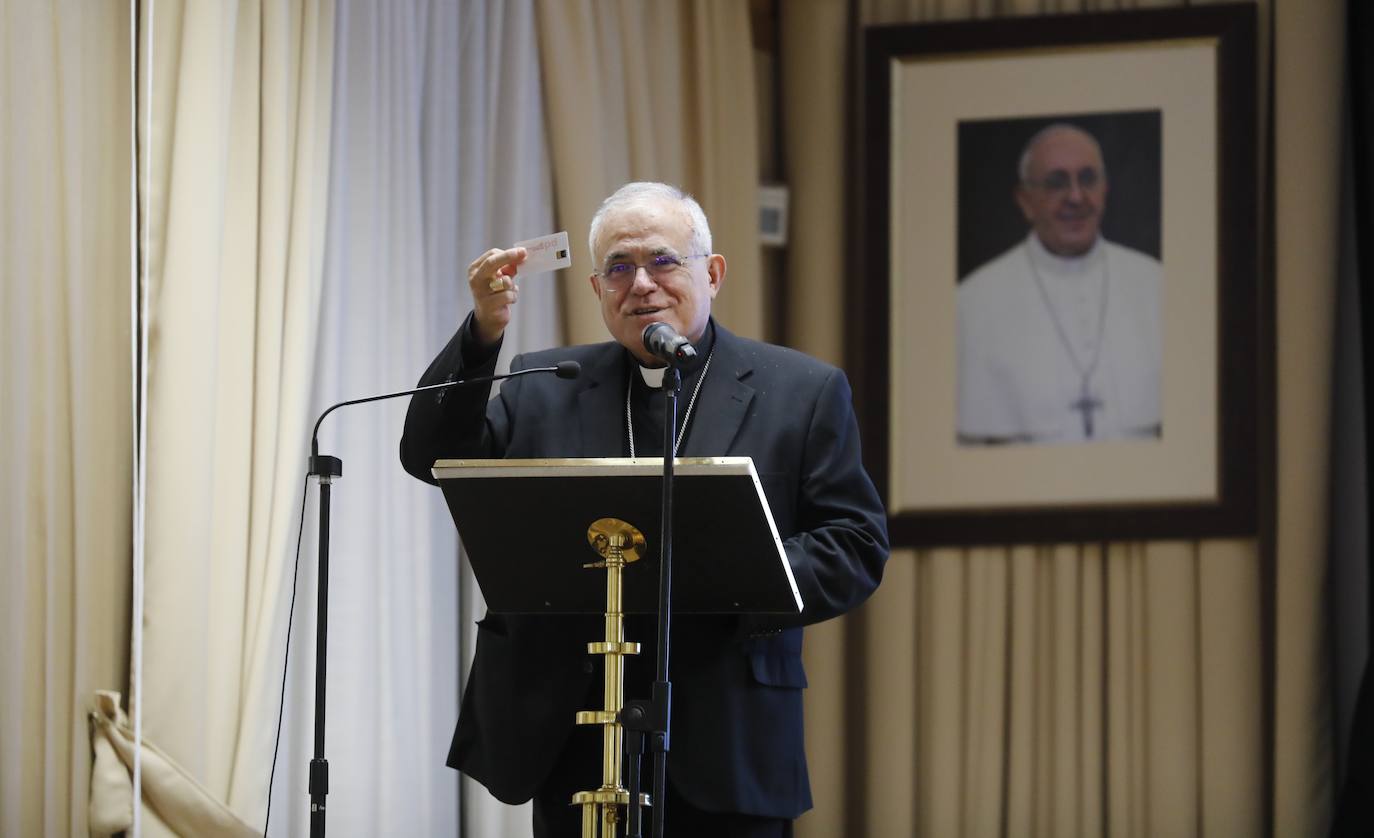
[(654, 717), (634, 754), (326, 469)]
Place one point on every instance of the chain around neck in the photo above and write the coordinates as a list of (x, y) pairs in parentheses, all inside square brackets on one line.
[(682, 431), (1085, 369)]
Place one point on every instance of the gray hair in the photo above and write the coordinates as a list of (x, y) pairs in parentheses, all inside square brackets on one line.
[(1023, 168), (641, 192)]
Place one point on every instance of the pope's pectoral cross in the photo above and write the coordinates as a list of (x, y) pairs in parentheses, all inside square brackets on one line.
[(1086, 404)]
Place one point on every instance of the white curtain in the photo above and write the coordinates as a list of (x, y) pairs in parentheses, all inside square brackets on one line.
[(502, 193), (236, 163), (390, 646), (437, 154), (65, 426)]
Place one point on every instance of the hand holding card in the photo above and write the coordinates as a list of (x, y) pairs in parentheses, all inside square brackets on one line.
[(546, 253)]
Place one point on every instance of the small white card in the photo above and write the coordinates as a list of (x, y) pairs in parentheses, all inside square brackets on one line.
[(546, 253)]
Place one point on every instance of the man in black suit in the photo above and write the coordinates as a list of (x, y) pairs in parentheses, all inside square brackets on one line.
[(736, 764)]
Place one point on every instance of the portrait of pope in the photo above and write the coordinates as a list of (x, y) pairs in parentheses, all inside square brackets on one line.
[(1060, 280)]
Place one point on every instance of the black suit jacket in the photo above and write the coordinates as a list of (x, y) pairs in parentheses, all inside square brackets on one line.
[(736, 742)]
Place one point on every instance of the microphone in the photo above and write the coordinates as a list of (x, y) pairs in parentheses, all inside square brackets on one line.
[(563, 369), (672, 348)]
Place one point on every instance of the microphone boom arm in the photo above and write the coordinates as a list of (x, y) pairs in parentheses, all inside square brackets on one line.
[(563, 369), (326, 469)]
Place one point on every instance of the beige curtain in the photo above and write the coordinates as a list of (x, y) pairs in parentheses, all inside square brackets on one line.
[(177, 804), (1309, 59), (1077, 690), (654, 91), (238, 154), (65, 439)]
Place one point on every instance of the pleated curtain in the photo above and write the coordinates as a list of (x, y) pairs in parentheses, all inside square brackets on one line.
[(66, 443), (654, 91)]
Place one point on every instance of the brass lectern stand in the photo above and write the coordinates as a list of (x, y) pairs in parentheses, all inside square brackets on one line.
[(729, 560), (618, 544)]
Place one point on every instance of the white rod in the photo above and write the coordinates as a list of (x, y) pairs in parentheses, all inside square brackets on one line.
[(140, 313)]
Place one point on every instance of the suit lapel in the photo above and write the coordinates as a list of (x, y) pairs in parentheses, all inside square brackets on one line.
[(723, 402), (600, 405)]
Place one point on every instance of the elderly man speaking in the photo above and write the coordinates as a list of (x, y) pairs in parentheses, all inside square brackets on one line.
[(737, 764), (1059, 337)]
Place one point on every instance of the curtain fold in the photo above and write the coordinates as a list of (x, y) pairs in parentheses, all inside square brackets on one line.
[(270, 303), (1072, 689), (392, 637), (1052, 690), (238, 155), (489, 185), (438, 154), (1351, 579), (65, 418), (1308, 57), (177, 804), (654, 91)]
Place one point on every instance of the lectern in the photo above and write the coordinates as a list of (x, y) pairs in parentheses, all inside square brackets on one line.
[(581, 536)]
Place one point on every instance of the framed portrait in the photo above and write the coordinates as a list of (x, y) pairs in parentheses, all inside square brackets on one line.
[(1061, 331)]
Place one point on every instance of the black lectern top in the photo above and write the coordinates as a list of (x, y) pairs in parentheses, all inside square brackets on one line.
[(524, 526)]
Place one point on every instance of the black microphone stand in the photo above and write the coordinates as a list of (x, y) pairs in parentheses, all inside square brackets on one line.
[(654, 716), (326, 470)]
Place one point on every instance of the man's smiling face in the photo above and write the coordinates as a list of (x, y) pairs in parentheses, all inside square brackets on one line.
[(637, 234), (1065, 191)]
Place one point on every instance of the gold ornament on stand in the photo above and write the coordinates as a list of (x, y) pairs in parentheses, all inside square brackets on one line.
[(618, 544)]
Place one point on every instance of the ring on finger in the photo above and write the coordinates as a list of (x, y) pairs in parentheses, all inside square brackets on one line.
[(497, 284)]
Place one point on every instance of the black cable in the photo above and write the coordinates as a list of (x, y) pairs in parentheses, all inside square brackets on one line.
[(286, 660)]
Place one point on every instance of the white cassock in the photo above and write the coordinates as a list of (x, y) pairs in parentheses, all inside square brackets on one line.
[(1060, 350)]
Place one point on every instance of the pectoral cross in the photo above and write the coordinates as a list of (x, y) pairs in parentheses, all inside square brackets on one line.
[(1086, 404)]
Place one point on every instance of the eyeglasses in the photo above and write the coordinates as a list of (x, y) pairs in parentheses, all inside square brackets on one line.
[(1061, 180), (622, 272)]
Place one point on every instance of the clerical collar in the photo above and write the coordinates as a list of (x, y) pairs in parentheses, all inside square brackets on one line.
[(705, 347), (653, 376), (1053, 264)]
